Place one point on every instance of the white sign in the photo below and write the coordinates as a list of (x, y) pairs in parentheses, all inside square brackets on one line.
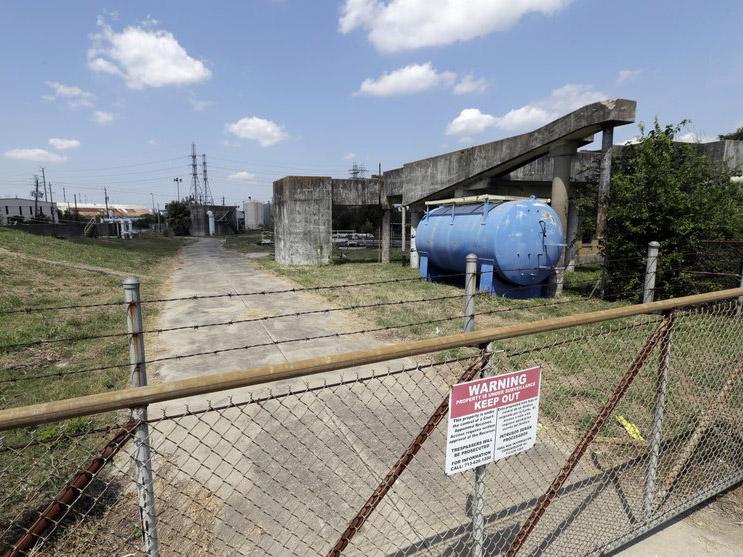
[(492, 418)]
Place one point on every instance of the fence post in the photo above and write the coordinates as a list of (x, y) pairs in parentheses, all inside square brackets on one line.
[(656, 430), (470, 288), (478, 500), (142, 455), (650, 267), (559, 277), (739, 309)]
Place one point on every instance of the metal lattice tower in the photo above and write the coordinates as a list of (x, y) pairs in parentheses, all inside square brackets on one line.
[(358, 171), (196, 193), (206, 190)]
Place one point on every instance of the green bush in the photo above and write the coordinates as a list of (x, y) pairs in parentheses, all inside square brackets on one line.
[(671, 193)]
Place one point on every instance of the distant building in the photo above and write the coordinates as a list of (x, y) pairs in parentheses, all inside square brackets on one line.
[(115, 210), (26, 209), (257, 214)]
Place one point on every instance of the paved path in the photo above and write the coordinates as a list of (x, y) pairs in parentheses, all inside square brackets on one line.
[(207, 268)]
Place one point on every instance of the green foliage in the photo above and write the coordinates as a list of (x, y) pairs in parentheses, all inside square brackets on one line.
[(671, 193), (179, 217), (736, 135)]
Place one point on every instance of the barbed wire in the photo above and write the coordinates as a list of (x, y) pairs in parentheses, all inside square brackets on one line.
[(63, 374), (38, 342)]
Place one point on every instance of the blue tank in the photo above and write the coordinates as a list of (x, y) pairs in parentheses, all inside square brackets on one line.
[(517, 243)]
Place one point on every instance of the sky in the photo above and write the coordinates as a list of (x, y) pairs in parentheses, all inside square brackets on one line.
[(113, 94)]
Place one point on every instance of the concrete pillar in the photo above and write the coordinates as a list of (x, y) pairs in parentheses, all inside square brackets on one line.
[(303, 214), (386, 235), (562, 158), (607, 142), (403, 232), (415, 218)]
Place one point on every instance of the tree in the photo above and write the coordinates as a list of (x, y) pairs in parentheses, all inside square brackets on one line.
[(736, 135), (671, 193), (179, 217)]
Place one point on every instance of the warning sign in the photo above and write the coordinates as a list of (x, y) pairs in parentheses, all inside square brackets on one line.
[(492, 418)]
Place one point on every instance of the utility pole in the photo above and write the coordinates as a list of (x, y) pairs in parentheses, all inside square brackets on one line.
[(178, 186), (52, 211), (43, 175), (153, 208), (223, 201), (77, 214), (36, 196), (64, 195), (105, 193)]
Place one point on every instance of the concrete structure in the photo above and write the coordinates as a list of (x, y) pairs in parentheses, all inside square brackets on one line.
[(545, 162), (26, 209), (224, 218)]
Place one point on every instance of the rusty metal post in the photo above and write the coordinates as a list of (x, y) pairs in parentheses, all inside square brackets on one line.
[(656, 430), (142, 454), (651, 266)]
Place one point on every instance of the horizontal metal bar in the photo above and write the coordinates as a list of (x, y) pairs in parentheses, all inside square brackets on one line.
[(128, 398)]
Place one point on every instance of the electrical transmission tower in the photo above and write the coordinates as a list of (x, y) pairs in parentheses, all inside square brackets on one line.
[(207, 192), (358, 171), (196, 194)]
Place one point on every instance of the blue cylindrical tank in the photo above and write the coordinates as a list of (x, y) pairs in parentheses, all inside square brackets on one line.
[(522, 241)]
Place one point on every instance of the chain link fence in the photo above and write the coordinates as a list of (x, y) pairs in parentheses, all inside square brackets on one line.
[(352, 463)]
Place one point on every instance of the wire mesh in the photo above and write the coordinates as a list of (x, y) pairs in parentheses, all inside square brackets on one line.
[(284, 471)]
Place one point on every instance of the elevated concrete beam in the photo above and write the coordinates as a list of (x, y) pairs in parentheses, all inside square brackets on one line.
[(434, 176)]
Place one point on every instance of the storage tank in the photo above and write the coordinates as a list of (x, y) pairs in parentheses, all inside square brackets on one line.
[(518, 244)]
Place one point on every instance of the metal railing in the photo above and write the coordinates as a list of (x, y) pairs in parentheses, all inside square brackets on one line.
[(639, 420)]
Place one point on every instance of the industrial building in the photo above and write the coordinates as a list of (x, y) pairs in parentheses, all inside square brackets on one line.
[(545, 163), (115, 210), (257, 214), (26, 209)]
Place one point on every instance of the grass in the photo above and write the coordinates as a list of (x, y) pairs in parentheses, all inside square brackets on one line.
[(248, 242), (31, 283), (28, 282), (582, 364)]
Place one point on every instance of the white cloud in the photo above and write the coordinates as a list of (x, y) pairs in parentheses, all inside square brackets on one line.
[(627, 75), (199, 105), (265, 132), (71, 94), (242, 176), (693, 137), (470, 122), (64, 144), (34, 155), (349, 156), (408, 80), (103, 118), (144, 56), (525, 118), (394, 25), (470, 84)]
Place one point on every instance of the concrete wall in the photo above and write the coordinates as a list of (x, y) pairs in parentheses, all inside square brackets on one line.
[(303, 215), (362, 191)]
